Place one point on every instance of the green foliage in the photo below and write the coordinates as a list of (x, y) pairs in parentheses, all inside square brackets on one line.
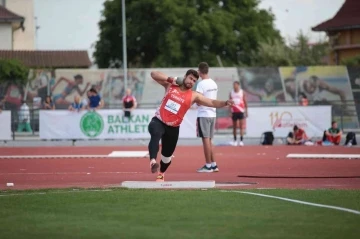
[(354, 61), (13, 71), (177, 33), (298, 53)]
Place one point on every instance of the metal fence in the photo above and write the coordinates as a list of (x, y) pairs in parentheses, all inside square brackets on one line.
[(342, 112)]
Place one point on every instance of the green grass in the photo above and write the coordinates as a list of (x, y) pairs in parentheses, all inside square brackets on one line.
[(122, 213)]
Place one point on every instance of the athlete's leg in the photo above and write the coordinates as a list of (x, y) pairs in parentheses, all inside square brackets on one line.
[(242, 128), (235, 126), (156, 129), (204, 125), (169, 141)]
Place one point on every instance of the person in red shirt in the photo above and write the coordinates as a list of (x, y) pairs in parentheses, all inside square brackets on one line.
[(165, 125), (129, 103), (298, 137)]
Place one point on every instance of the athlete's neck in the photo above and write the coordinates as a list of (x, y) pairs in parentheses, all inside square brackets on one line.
[(205, 77), (183, 88)]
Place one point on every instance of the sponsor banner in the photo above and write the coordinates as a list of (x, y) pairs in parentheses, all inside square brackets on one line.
[(281, 120), (323, 85), (5, 126), (105, 124)]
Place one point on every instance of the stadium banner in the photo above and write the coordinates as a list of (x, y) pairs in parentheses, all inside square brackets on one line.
[(281, 120), (5, 126), (105, 124)]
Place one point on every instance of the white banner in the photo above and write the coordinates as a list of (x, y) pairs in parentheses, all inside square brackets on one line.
[(5, 125), (281, 120), (105, 124)]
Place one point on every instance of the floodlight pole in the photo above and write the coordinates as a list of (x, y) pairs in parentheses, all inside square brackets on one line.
[(124, 44)]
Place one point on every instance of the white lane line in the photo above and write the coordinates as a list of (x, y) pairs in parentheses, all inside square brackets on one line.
[(69, 173), (298, 201)]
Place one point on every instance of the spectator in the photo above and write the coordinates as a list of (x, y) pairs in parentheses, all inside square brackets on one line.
[(48, 103), (129, 103), (77, 105), (85, 100), (303, 100), (2, 104), (298, 137), (333, 134), (24, 118), (95, 101)]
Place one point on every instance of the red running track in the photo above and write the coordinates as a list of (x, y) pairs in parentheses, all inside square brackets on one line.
[(263, 166)]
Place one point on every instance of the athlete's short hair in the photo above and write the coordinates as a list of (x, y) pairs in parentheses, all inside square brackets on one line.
[(203, 67), (192, 72)]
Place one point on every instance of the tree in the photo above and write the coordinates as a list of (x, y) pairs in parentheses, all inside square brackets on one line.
[(353, 61), (13, 71), (299, 53), (177, 33)]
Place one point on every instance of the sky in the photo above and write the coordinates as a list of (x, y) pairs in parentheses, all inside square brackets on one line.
[(73, 24)]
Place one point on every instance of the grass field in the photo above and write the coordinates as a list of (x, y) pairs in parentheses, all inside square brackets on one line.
[(122, 213)]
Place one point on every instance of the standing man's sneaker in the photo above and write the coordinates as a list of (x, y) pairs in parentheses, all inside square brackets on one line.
[(215, 168), (241, 143), (205, 170)]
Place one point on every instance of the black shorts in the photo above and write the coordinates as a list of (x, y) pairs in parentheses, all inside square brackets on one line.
[(237, 116), (127, 113), (167, 134)]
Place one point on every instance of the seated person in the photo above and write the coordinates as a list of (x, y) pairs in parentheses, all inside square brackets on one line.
[(333, 134), (77, 105), (95, 101), (299, 137)]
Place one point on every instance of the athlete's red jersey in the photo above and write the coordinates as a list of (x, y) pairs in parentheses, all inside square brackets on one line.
[(174, 106), (239, 103)]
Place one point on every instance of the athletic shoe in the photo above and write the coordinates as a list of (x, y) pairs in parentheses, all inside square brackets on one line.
[(205, 170), (160, 177), (215, 168), (154, 166), (241, 143), (234, 143)]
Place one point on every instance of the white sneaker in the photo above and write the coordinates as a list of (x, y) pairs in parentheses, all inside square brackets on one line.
[(234, 143), (241, 143)]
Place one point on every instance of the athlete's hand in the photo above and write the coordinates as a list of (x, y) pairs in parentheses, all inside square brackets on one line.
[(229, 103), (175, 80)]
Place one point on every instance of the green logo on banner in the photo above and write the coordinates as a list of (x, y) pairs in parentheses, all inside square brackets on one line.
[(91, 124)]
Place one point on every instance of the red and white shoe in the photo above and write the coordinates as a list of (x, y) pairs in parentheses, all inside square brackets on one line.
[(160, 177)]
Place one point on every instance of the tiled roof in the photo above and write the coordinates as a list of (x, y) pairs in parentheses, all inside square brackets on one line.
[(347, 17), (49, 59), (6, 15)]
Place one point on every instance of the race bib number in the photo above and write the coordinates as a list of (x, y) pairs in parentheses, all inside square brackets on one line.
[(236, 101), (172, 106)]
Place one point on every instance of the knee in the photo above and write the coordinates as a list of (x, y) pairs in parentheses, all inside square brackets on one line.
[(166, 159)]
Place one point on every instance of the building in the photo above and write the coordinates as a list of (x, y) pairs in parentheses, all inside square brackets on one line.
[(343, 31), (18, 37)]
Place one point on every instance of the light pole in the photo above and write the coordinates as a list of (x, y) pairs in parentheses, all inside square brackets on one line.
[(124, 44)]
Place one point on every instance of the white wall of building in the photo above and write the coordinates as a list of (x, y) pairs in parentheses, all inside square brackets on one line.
[(23, 40), (5, 36)]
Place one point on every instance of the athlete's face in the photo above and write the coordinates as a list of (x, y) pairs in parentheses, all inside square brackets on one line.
[(236, 87), (190, 81)]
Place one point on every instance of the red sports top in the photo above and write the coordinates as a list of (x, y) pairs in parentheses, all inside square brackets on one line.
[(239, 103), (174, 106)]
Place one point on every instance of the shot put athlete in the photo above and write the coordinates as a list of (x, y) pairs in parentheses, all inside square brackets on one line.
[(165, 125)]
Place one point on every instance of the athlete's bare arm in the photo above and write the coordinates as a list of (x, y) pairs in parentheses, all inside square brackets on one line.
[(333, 90), (245, 104), (202, 100), (160, 78)]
